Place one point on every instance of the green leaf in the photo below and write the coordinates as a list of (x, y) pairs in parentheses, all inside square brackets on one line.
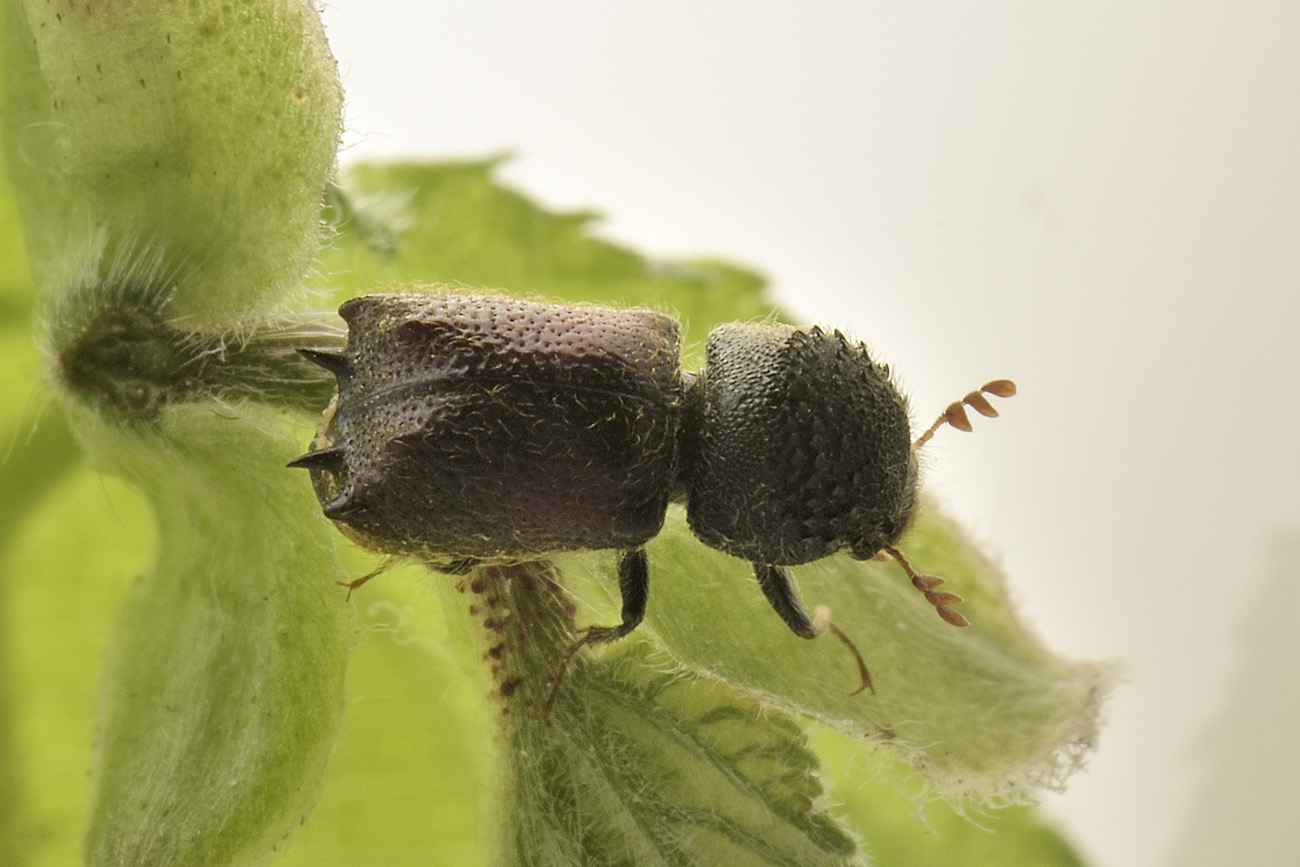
[(49, 658), (904, 826), (225, 679), (65, 568), (653, 768), (458, 225), (985, 710), (410, 778), (190, 138), (638, 761), (170, 160), (225, 686)]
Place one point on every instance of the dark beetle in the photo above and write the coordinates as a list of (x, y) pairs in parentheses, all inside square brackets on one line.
[(476, 429)]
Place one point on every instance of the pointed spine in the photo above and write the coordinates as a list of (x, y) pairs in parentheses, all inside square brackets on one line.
[(335, 362), (322, 459)]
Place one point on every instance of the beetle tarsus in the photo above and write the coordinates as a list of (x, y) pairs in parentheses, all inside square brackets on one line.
[(863, 672), (357, 582)]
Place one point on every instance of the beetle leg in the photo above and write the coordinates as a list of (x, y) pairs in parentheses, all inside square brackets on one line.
[(778, 587), (357, 582), (634, 588), (779, 590)]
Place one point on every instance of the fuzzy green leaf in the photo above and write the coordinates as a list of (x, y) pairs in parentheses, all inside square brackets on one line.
[(905, 826), (642, 767), (200, 133), (410, 780), (225, 679), (169, 160), (636, 761), (984, 710), (458, 225)]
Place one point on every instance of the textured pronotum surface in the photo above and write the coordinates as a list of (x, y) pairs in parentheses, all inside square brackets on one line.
[(804, 447)]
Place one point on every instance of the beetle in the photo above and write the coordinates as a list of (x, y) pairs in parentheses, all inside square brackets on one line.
[(474, 429)]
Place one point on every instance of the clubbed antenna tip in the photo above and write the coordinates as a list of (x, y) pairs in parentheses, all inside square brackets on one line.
[(940, 599), (956, 416)]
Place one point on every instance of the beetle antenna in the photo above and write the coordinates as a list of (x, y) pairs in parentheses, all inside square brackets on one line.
[(956, 416), (940, 599)]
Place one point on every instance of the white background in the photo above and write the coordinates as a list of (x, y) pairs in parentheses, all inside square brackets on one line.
[(1100, 200)]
